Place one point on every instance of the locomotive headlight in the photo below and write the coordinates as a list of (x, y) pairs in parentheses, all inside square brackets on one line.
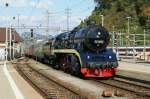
[(88, 57), (110, 57), (99, 33)]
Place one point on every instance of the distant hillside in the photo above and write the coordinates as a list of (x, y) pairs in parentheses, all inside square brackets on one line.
[(116, 12)]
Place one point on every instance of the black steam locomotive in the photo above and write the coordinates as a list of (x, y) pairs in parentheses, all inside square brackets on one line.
[(81, 51)]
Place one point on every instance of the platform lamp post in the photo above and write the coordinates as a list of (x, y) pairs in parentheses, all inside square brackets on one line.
[(7, 4), (6, 41), (102, 19), (127, 35), (13, 31)]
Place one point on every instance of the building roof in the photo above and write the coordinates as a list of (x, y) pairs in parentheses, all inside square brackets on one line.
[(14, 35)]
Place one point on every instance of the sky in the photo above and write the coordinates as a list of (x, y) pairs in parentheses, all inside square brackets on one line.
[(34, 12)]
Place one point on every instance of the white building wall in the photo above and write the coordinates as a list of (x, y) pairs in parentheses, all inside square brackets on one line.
[(2, 52)]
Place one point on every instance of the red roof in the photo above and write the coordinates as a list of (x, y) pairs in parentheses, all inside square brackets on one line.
[(14, 35)]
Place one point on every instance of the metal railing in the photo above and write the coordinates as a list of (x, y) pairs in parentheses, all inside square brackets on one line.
[(131, 45)]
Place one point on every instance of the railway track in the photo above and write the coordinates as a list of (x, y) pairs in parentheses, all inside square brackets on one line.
[(138, 88), (48, 88), (53, 90)]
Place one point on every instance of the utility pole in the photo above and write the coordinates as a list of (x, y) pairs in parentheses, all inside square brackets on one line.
[(18, 20), (127, 35), (47, 23), (6, 42), (113, 37), (10, 38), (128, 26), (134, 51), (120, 38), (68, 17), (144, 44), (13, 41)]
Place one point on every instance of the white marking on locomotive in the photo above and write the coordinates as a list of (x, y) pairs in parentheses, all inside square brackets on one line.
[(98, 41), (99, 33), (88, 57), (110, 57)]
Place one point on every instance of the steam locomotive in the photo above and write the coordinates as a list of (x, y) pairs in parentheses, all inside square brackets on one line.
[(83, 51)]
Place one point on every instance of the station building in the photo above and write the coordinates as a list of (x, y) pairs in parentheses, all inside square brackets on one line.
[(14, 42)]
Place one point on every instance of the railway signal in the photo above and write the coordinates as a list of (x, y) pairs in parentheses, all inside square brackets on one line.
[(31, 33)]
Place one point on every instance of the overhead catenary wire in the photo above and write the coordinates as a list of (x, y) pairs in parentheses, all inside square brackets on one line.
[(68, 12), (76, 5), (34, 7), (84, 10)]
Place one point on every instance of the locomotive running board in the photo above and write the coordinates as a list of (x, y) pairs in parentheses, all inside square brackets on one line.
[(68, 51)]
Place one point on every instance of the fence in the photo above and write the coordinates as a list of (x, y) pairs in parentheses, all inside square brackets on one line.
[(132, 45), (124, 40)]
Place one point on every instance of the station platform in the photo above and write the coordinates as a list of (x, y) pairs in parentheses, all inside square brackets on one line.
[(87, 88), (13, 86), (134, 70)]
